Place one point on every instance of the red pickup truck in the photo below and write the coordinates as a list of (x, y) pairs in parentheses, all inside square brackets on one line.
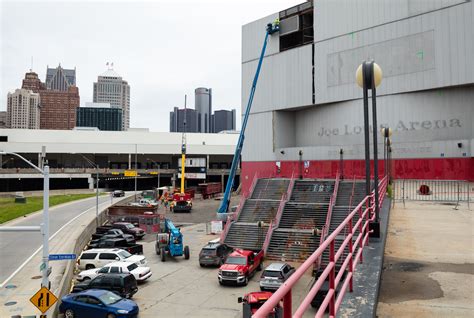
[(251, 302), (240, 266)]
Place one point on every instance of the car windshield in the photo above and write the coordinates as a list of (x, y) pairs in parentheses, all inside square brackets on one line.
[(131, 267), (235, 260), (130, 226), (124, 254), (272, 274), (209, 251), (109, 298)]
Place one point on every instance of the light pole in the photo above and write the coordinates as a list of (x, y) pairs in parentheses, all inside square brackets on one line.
[(136, 172), (157, 173), (96, 167), (44, 227), (369, 76), (341, 162), (386, 134)]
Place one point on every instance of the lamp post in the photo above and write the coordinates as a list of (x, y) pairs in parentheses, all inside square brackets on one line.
[(300, 153), (44, 227), (369, 76), (386, 134), (96, 167), (157, 173), (341, 162)]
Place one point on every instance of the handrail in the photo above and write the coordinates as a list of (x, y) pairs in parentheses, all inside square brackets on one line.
[(253, 185), (366, 212), (271, 227), (233, 217)]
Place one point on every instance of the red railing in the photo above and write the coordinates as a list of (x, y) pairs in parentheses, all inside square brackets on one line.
[(353, 257)]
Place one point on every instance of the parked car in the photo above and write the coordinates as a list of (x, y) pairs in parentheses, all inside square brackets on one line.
[(240, 266), (141, 273), (214, 253), (114, 233), (118, 193), (129, 228), (124, 285), (97, 303), (275, 275), (117, 243), (100, 257)]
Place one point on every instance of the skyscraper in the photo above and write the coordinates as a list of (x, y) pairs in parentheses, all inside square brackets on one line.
[(99, 115), (203, 105), (60, 79), (23, 110), (111, 88), (177, 120), (58, 108), (223, 120)]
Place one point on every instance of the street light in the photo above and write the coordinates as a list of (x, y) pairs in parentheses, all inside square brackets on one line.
[(157, 172), (369, 76), (44, 227), (386, 134), (96, 167)]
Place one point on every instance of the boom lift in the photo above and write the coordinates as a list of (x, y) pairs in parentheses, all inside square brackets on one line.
[(224, 207), (170, 240)]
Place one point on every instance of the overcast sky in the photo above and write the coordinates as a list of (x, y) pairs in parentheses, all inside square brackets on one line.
[(164, 49)]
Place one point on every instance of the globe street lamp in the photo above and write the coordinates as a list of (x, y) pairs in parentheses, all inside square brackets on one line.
[(369, 76)]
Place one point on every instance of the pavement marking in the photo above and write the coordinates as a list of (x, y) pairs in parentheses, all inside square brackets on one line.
[(41, 247)]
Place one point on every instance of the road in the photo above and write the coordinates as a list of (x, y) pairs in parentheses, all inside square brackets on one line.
[(17, 247)]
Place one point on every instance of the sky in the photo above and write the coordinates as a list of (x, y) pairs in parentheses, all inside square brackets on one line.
[(164, 49)]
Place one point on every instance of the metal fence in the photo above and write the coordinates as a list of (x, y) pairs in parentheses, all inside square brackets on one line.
[(452, 191)]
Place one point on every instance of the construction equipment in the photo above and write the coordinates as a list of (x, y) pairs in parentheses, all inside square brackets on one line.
[(170, 240), (182, 200), (224, 207)]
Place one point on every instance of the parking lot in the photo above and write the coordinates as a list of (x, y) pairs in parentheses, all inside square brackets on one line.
[(179, 287)]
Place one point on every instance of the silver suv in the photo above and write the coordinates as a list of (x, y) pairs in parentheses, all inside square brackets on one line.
[(275, 275)]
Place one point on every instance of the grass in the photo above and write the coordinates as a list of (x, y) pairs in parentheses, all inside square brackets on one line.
[(10, 210)]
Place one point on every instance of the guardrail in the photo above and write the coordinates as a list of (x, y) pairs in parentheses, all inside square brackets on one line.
[(454, 191), (354, 256)]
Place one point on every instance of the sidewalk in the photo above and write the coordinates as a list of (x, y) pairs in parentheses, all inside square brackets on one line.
[(28, 280), (429, 262)]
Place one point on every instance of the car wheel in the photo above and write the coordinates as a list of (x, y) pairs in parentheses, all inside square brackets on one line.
[(86, 279), (186, 252), (157, 250), (260, 266), (111, 316), (246, 281), (163, 254), (89, 266), (69, 313)]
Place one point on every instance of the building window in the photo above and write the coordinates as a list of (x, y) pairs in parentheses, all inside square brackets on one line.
[(296, 26)]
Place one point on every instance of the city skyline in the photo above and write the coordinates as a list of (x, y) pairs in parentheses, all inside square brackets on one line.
[(153, 58)]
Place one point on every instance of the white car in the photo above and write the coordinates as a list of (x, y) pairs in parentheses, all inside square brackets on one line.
[(140, 273), (99, 257)]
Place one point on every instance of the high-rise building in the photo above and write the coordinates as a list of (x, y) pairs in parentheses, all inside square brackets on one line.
[(223, 120), (60, 79), (203, 105), (23, 110), (32, 82), (111, 88), (3, 119), (177, 120), (58, 108), (99, 115)]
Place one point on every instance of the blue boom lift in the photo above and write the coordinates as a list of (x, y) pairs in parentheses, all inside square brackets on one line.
[(224, 207), (170, 240)]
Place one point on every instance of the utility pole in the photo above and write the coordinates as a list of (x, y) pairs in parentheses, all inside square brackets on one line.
[(136, 172)]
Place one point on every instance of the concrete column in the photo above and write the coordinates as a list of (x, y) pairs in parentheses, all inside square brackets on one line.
[(222, 182), (39, 161), (207, 163), (90, 180), (129, 161), (173, 181)]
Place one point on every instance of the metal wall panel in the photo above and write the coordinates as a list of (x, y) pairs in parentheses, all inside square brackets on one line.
[(259, 138), (335, 18), (427, 51), (285, 80), (253, 35)]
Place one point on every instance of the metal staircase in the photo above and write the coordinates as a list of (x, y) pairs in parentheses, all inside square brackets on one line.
[(262, 205), (302, 221)]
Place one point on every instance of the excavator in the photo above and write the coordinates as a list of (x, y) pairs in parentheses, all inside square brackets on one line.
[(224, 206)]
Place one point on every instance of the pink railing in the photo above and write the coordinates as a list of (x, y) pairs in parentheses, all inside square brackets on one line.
[(232, 217), (354, 256)]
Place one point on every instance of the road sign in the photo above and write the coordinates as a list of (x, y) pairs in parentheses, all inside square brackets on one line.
[(42, 266), (59, 257), (130, 173), (43, 299)]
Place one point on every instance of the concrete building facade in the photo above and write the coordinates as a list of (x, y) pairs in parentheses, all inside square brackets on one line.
[(3, 119), (307, 99), (203, 105), (23, 109), (99, 115), (223, 120), (177, 120), (111, 88)]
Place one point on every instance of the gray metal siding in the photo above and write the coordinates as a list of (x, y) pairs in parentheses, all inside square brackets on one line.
[(428, 51), (253, 35), (285, 80), (259, 138)]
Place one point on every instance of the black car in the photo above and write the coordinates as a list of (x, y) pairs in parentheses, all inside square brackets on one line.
[(118, 193), (214, 254), (132, 248), (124, 285)]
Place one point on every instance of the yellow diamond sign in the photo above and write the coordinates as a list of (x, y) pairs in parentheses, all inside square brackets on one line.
[(43, 299)]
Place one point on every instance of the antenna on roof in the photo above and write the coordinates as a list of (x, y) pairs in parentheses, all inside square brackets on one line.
[(31, 69)]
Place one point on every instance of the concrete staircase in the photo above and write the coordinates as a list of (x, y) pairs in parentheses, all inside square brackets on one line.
[(295, 238), (261, 206)]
